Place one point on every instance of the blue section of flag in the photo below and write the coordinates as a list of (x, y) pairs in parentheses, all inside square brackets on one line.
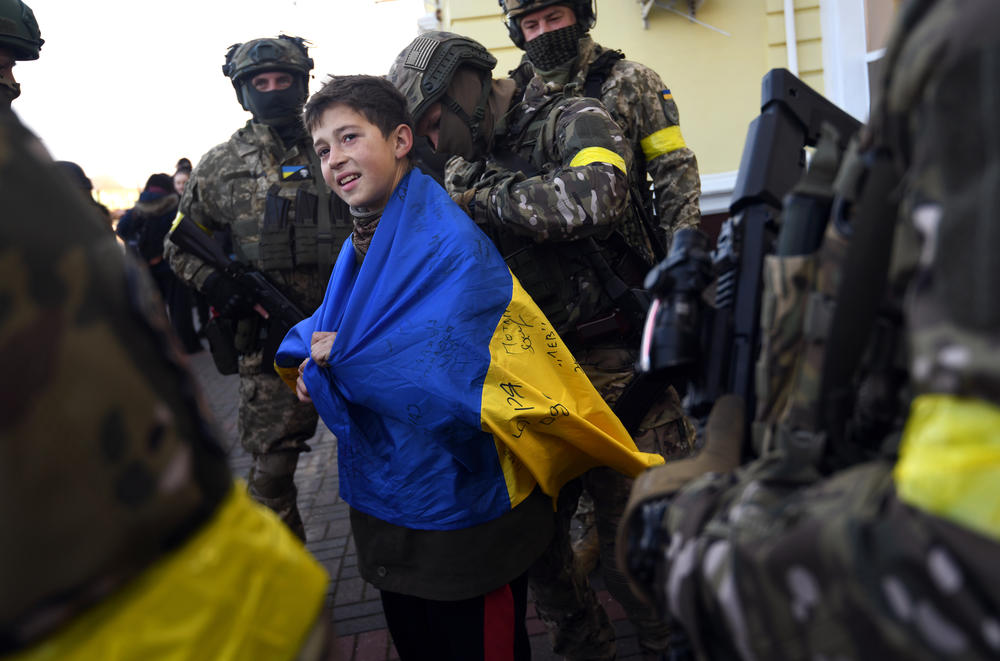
[(403, 392)]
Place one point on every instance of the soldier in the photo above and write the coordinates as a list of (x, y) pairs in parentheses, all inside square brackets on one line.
[(553, 196), (20, 39), (123, 534), (892, 558), (560, 55), (264, 187)]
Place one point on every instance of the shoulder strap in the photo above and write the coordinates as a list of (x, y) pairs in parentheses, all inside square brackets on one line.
[(599, 71)]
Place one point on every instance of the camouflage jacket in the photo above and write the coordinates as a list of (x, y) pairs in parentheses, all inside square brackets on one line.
[(268, 198), (644, 107), (552, 194), (106, 459), (771, 563)]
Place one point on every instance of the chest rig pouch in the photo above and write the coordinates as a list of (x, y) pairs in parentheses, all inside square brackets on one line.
[(301, 228)]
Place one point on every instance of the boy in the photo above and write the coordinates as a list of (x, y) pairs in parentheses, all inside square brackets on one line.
[(458, 411)]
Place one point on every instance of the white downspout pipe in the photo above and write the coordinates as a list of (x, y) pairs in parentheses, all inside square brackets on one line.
[(791, 41)]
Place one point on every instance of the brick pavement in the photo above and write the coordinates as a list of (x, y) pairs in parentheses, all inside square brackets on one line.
[(355, 605)]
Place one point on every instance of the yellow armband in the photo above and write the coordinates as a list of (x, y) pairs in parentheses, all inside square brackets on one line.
[(949, 462), (662, 142), (598, 155)]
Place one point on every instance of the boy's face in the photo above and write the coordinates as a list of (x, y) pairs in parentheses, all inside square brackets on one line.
[(360, 165)]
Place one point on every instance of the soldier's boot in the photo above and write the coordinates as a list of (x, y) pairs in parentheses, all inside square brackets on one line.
[(272, 483), (585, 634), (585, 542)]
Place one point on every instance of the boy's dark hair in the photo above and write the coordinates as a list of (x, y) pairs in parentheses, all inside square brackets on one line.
[(374, 97)]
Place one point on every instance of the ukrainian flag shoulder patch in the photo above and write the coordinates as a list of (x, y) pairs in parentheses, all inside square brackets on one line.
[(294, 172), (667, 96)]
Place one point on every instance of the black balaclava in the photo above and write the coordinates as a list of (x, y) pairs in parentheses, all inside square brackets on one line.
[(279, 109), (549, 50)]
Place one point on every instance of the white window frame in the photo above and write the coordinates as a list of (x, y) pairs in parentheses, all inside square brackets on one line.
[(845, 55)]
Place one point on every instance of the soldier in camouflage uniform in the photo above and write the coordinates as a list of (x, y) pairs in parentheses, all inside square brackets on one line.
[(553, 196), (560, 56), (264, 186), (20, 39), (123, 534), (893, 558)]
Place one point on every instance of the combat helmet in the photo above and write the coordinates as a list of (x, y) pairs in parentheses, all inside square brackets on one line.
[(283, 53), (19, 30), (424, 69), (513, 10)]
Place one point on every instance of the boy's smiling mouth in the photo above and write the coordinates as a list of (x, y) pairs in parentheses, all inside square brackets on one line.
[(347, 178)]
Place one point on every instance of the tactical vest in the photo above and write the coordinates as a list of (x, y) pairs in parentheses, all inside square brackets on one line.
[(300, 228), (832, 381)]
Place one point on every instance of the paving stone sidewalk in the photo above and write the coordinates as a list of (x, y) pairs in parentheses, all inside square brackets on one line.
[(355, 605)]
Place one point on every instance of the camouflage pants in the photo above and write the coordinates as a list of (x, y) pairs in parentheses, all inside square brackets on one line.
[(565, 601), (274, 427)]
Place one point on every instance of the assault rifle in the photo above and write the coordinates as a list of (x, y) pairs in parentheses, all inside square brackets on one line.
[(190, 238), (225, 342), (706, 350)]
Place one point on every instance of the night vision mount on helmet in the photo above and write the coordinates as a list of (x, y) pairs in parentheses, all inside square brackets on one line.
[(423, 71), (283, 53), (19, 30), (513, 10)]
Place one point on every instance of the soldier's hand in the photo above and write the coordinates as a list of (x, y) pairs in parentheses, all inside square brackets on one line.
[(227, 297), (460, 175)]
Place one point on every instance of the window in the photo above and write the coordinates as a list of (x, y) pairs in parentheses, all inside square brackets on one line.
[(854, 37)]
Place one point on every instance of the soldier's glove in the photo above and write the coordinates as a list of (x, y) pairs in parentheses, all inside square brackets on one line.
[(226, 296), (643, 535), (461, 175)]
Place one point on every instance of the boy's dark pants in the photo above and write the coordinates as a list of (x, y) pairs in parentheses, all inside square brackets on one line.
[(486, 628)]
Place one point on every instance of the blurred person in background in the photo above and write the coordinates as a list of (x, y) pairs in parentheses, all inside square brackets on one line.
[(124, 536), (143, 228)]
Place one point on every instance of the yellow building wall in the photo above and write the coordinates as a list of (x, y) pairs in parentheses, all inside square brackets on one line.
[(715, 77)]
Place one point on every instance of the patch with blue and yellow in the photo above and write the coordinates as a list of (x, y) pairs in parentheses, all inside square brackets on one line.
[(294, 172), (450, 394)]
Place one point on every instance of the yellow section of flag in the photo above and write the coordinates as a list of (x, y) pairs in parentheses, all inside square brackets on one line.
[(548, 421)]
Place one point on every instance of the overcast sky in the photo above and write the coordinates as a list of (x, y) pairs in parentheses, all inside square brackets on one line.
[(126, 87)]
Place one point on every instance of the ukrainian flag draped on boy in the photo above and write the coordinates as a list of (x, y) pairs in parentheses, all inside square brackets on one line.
[(449, 393)]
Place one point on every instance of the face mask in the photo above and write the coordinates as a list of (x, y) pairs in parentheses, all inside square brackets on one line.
[(551, 49), (275, 108), (431, 161)]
